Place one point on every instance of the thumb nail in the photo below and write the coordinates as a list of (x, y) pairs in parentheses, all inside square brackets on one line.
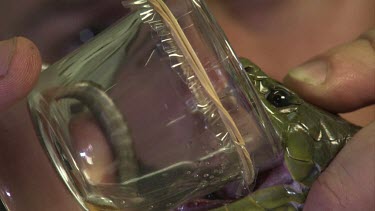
[(313, 73), (7, 50)]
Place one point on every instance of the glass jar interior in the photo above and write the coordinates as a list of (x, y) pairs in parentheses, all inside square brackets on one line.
[(136, 78)]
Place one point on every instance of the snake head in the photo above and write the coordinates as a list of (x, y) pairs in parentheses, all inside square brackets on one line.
[(280, 103)]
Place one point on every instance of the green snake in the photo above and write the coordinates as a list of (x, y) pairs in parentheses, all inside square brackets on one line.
[(310, 137)]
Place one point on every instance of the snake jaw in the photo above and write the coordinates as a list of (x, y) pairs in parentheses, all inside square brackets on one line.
[(278, 175)]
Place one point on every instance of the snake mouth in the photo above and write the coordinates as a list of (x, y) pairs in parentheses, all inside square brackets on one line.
[(278, 175)]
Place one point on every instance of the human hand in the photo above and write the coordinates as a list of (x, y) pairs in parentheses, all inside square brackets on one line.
[(27, 180), (342, 80), (57, 27), (27, 87), (279, 35)]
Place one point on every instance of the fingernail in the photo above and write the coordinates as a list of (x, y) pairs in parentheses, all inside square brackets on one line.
[(7, 50), (313, 73)]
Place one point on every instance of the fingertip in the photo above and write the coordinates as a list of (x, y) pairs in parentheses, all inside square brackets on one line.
[(21, 73), (309, 89), (93, 150), (342, 90), (26, 64), (340, 80)]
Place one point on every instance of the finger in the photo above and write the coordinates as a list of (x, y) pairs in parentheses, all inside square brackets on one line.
[(340, 80), (348, 183), (27, 177), (20, 65), (93, 149)]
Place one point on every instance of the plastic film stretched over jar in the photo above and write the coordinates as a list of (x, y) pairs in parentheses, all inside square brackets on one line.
[(129, 125)]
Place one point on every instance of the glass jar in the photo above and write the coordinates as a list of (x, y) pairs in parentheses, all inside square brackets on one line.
[(153, 112)]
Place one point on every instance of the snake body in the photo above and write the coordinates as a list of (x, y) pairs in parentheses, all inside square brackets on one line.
[(310, 137), (111, 122)]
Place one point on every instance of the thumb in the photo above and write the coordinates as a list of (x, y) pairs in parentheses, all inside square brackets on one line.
[(20, 64), (340, 80), (348, 182)]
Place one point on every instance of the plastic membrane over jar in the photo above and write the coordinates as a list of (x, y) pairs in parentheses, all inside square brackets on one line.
[(153, 112)]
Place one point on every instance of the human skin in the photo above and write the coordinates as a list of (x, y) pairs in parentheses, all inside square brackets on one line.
[(280, 35), (27, 179), (331, 192), (19, 143)]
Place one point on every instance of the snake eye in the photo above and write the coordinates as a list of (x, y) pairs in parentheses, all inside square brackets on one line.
[(279, 98)]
